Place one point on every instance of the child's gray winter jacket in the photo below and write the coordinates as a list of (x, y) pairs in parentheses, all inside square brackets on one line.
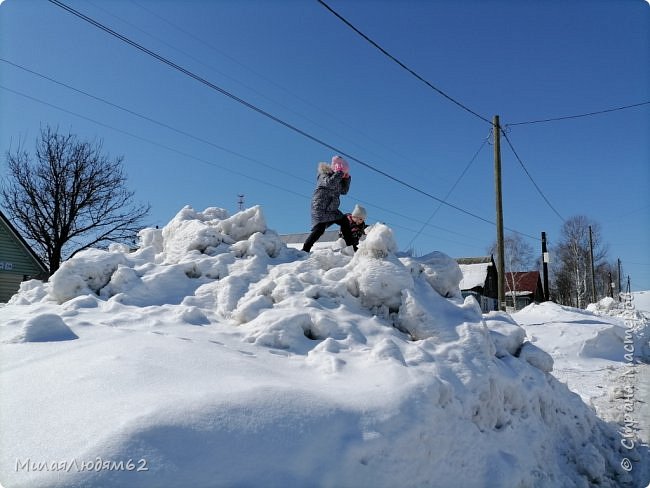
[(325, 201)]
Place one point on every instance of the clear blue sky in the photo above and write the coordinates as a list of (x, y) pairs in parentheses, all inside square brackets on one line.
[(522, 60)]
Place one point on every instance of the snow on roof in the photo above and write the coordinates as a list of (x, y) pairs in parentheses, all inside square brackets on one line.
[(296, 241), (473, 275)]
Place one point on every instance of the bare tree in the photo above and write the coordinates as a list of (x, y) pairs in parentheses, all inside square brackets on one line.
[(69, 198), (518, 256), (572, 269)]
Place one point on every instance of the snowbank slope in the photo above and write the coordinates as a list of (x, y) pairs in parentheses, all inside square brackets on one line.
[(216, 356)]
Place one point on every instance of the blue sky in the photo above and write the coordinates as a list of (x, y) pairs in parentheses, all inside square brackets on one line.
[(522, 60)]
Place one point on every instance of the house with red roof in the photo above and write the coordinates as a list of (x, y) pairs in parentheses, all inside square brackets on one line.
[(523, 288)]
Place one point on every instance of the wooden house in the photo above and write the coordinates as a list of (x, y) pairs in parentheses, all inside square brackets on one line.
[(523, 288), (18, 261), (480, 280)]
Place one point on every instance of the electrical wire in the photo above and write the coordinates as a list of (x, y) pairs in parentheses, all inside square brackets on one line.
[(290, 92), (260, 111), (149, 141), (401, 64), (589, 114), (192, 136), (369, 204), (410, 244), (225, 75), (153, 121), (539, 190)]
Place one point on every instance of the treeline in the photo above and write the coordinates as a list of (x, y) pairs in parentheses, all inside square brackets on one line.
[(570, 270), (580, 244)]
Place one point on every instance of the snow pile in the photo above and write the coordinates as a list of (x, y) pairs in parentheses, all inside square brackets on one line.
[(216, 356), (633, 310), (605, 305), (601, 356), (641, 300), (45, 327)]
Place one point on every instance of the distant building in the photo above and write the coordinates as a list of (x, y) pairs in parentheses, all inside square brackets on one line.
[(18, 261), (523, 288), (480, 280), (297, 240)]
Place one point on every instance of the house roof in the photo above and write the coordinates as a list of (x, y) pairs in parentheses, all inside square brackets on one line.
[(475, 260), (23, 242), (475, 271), (473, 275), (524, 281), (328, 236), (297, 240)]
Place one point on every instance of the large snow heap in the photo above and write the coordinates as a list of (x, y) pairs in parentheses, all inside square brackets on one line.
[(221, 357)]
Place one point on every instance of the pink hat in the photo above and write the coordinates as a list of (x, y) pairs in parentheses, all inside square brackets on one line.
[(340, 164)]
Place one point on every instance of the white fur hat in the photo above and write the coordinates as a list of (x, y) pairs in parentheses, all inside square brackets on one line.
[(359, 211)]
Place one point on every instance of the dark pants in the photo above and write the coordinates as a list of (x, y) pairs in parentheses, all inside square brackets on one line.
[(319, 229)]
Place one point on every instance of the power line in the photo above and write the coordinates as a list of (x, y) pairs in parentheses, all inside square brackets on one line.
[(286, 90), (400, 63), (448, 193), (233, 79), (367, 203), (249, 105), (539, 190), (149, 141), (192, 136), (153, 121), (589, 114), (464, 107)]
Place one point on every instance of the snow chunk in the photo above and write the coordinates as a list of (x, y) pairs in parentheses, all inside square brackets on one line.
[(605, 305), (377, 276), (424, 313), (379, 242), (243, 224), (46, 327), (88, 272), (507, 335), (535, 356), (30, 291), (259, 244), (151, 238), (189, 231), (441, 272)]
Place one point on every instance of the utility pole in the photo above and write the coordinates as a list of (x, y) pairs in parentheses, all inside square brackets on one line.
[(545, 260), (240, 202), (501, 267), (611, 285), (593, 273), (619, 279)]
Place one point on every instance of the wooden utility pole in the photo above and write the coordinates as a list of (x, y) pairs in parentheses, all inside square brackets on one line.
[(545, 261), (619, 280), (611, 285), (593, 272), (501, 267)]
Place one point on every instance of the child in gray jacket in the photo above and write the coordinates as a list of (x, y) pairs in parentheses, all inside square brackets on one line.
[(333, 180)]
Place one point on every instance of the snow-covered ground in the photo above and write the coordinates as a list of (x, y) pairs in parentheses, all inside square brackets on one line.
[(216, 356), (602, 353)]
